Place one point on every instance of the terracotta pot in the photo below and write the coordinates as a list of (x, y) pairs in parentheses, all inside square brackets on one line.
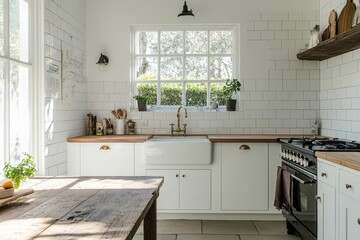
[(141, 106), (231, 105)]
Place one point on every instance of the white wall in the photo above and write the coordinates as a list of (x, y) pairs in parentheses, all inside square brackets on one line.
[(279, 93), (64, 22), (339, 87)]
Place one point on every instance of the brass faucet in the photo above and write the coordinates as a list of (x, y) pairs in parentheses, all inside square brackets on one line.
[(178, 129)]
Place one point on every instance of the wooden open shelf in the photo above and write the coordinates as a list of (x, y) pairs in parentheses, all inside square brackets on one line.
[(340, 44)]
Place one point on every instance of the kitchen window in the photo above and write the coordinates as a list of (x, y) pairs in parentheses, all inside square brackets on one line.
[(15, 79), (174, 65)]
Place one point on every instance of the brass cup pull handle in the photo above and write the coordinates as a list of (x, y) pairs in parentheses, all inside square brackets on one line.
[(317, 198), (348, 186), (358, 221), (323, 174), (105, 147), (244, 147)]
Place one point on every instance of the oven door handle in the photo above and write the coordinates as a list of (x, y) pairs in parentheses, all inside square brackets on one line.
[(302, 181)]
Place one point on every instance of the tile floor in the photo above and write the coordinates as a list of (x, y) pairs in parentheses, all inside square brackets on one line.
[(219, 230)]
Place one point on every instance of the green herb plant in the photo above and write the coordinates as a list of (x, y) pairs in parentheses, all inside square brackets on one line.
[(25, 169), (141, 98), (231, 87)]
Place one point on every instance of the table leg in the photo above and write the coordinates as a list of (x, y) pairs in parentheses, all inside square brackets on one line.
[(150, 223)]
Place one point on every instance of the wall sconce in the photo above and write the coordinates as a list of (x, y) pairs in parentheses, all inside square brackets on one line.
[(103, 61), (185, 11)]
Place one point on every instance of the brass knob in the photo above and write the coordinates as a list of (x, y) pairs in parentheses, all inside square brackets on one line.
[(177, 175), (348, 186), (183, 175), (105, 147), (244, 147), (323, 174), (317, 198), (358, 221)]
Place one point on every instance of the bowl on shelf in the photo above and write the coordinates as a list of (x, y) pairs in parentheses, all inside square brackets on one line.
[(6, 193)]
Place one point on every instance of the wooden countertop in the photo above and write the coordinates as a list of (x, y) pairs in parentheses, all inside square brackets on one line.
[(111, 138), (347, 159), (77, 207), (211, 137)]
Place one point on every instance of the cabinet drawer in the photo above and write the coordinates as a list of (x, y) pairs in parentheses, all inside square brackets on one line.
[(350, 185), (326, 173)]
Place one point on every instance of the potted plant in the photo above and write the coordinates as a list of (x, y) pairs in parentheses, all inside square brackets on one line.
[(25, 169), (141, 102), (230, 88)]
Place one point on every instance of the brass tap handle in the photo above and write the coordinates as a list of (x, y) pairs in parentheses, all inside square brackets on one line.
[(172, 128)]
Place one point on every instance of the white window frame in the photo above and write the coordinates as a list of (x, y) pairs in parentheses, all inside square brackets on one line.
[(196, 27), (35, 65)]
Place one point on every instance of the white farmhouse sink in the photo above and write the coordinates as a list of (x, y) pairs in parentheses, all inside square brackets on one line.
[(170, 150)]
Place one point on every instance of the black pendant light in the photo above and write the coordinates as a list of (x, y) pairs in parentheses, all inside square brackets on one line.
[(185, 11)]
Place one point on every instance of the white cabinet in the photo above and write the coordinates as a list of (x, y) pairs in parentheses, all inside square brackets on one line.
[(184, 189), (349, 185), (326, 201), (245, 176), (101, 159), (326, 210), (349, 218)]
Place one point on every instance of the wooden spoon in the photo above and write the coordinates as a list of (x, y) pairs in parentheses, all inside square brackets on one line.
[(119, 113), (113, 112)]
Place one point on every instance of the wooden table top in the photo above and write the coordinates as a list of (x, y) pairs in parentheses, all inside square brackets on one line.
[(347, 159), (80, 207), (111, 138)]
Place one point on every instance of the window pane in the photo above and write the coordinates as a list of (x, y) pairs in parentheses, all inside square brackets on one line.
[(196, 68), (171, 94), (146, 43), (19, 30), (147, 68), (2, 27), (196, 94), (171, 42), (19, 111), (2, 116), (196, 42), (149, 90), (221, 42), (220, 68), (171, 68), (217, 93)]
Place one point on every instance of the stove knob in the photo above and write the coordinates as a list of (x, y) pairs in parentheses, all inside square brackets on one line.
[(306, 163), (301, 160)]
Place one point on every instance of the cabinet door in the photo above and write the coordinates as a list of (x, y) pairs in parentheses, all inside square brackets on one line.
[(169, 192), (107, 159), (195, 190), (349, 218), (245, 176), (326, 209)]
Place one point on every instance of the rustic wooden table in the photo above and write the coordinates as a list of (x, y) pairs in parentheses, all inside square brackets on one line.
[(83, 207)]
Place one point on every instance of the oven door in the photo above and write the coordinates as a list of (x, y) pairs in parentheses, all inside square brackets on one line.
[(303, 192)]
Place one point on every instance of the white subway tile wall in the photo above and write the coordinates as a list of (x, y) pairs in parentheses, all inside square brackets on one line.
[(280, 94), (339, 86), (62, 122)]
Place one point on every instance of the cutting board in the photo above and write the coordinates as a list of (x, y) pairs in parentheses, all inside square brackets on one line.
[(17, 194), (346, 17)]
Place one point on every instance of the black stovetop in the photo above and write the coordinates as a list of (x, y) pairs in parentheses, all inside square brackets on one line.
[(311, 145)]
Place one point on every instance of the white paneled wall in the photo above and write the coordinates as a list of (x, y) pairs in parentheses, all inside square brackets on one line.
[(280, 94), (339, 87), (63, 121)]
